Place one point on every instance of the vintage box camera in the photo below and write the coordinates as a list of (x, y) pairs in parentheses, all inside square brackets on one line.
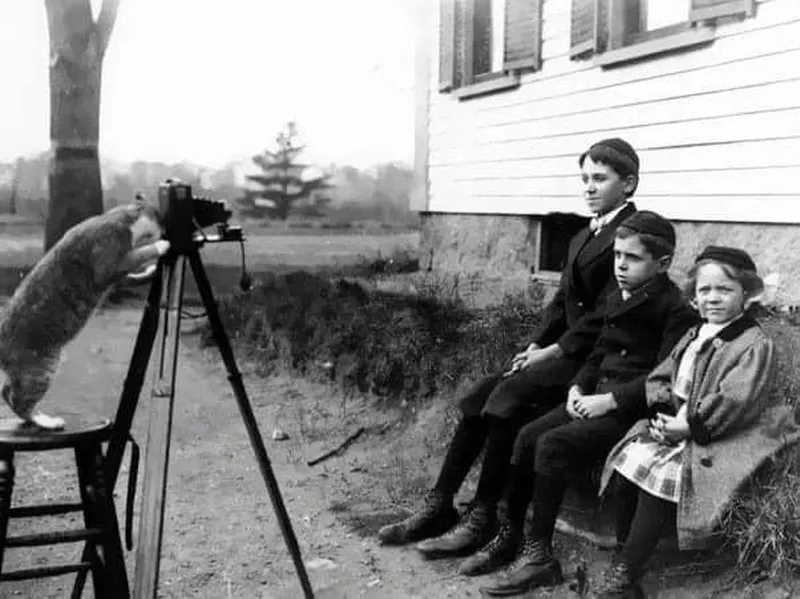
[(185, 215)]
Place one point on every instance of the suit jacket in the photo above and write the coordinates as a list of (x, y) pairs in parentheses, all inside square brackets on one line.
[(736, 422), (572, 319), (637, 335)]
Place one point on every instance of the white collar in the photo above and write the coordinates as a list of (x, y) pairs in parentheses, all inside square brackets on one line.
[(598, 222)]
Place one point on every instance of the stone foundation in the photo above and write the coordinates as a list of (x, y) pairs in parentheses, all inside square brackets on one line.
[(479, 258), (487, 256)]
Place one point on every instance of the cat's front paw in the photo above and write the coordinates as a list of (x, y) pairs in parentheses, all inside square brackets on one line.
[(162, 246), (50, 423)]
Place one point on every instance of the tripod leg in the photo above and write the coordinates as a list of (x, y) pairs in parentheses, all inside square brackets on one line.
[(234, 376), (129, 398), (151, 525), (134, 380)]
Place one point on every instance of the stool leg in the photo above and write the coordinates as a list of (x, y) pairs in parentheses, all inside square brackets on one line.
[(6, 487), (104, 515), (88, 500)]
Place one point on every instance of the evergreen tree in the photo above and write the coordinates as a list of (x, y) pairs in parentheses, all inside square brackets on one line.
[(284, 182)]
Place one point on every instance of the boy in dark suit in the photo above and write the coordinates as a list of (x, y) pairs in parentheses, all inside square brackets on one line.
[(643, 319), (495, 409)]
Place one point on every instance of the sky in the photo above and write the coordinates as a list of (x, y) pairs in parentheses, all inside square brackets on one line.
[(212, 81)]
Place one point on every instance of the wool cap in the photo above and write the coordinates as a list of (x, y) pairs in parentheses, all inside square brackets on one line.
[(651, 223), (727, 255), (614, 151)]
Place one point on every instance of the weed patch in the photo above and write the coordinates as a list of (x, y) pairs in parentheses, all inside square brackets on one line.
[(399, 347)]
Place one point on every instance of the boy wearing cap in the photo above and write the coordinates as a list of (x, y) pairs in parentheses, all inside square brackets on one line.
[(535, 381), (643, 319)]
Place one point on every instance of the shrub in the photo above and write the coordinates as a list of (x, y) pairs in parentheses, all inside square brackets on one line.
[(399, 347)]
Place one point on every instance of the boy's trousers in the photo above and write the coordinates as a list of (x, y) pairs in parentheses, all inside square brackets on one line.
[(522, 394), (556, 445)]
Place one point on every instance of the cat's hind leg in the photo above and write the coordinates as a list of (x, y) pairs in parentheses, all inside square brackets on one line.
[(24, 392)]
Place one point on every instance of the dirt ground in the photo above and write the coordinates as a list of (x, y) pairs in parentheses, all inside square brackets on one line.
[(221, 538)]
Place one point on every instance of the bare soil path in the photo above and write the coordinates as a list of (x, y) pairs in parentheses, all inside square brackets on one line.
[(221, 537)]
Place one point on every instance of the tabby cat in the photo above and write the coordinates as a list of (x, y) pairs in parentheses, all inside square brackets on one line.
[(54, 301)]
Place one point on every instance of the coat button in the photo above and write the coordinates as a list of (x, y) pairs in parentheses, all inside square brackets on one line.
[(706, 461)]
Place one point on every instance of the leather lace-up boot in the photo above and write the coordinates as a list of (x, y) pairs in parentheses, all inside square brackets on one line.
[(436, 517), (498, 552), (620, 581), (535, 567), (477, 526)]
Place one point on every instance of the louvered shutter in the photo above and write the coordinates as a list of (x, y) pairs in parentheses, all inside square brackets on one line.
[(464, 24), (481, 36), (702, 10), (588, 27), (447, 44), (523, 27)]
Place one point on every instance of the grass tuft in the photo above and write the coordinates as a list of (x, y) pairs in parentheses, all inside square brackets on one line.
[(763, 524), (400, 347)]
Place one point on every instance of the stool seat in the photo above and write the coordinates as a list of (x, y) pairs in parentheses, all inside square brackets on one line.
[(18, 435)]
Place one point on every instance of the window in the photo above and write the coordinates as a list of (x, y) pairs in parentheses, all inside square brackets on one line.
[(618, 31), (484, 44), (555, 232)]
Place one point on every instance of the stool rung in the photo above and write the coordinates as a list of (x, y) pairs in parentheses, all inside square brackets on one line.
[(45, 571), (32, 511), (51, 538)]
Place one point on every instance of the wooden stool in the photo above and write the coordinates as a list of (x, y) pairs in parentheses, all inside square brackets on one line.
[(101, 530)]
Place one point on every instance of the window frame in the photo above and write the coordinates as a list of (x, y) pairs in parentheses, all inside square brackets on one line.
[(614, 40), (459, 32), (627, 41)]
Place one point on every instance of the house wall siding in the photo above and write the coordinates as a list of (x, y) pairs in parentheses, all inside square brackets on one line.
[(717, 128)]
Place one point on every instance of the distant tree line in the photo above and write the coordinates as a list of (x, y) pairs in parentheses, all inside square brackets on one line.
[(379, 193)]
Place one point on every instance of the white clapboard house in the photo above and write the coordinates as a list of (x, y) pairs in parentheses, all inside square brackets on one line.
[(510, 92)]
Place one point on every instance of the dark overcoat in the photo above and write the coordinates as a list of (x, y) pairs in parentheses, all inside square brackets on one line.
[(572, 319), (586, 280), (637, 335)]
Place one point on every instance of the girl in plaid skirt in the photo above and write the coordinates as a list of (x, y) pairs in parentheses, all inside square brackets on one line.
[(714, 423)]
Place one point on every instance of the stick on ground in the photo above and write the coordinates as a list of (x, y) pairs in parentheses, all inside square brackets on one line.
[(338, 449)]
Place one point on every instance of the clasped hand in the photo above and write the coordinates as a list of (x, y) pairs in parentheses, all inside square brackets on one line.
[(669, 430), (581, 407), (530, 355)]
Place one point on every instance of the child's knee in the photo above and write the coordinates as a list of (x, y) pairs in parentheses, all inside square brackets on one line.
[(552, 453)]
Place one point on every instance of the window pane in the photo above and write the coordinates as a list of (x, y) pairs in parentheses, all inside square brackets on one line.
[(662, 13), (498, 34)]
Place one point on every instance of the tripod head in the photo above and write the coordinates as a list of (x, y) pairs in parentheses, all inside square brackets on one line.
[(186, 215)]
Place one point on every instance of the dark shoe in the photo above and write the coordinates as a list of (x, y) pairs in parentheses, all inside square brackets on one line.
[(620, 581), (477, 526), (535, 567), (436, 517), (501, 550)]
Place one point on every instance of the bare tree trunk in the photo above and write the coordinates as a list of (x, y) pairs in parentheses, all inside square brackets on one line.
[(77, 46)]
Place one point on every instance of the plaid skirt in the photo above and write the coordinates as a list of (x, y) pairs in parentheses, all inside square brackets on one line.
[(654, 467)]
